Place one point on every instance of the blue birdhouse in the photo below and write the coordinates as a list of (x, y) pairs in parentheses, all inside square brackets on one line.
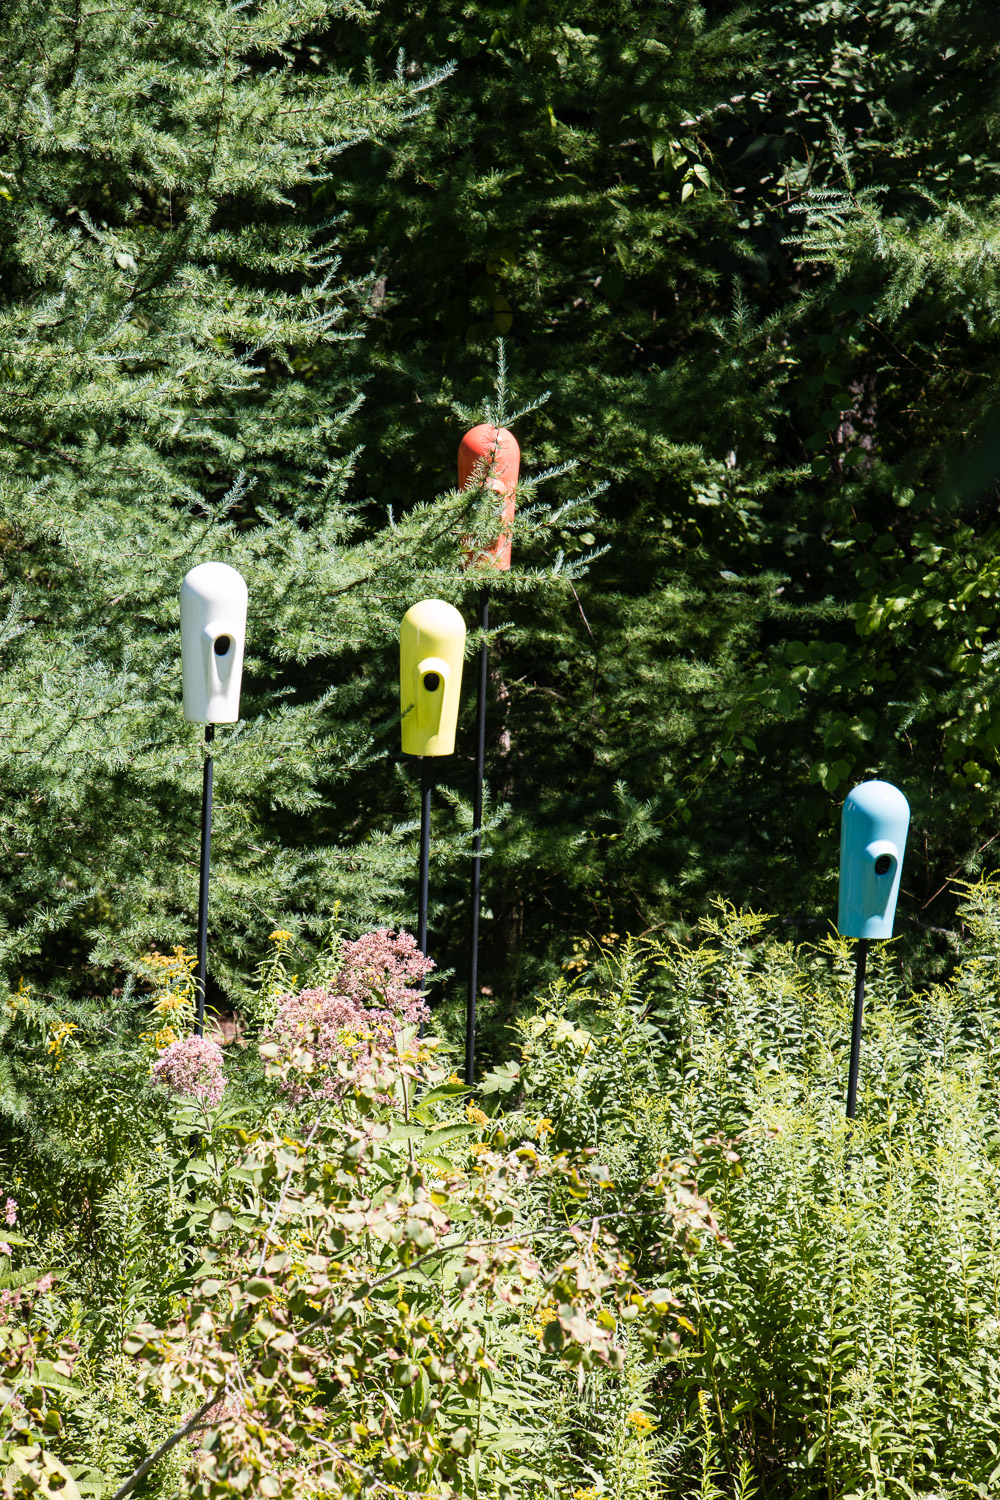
[(873, 828)]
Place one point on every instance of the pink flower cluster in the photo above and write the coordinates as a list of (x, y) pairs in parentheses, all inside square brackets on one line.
[(380, 968), (192, 1066), (346, 1026), (10, 1214)]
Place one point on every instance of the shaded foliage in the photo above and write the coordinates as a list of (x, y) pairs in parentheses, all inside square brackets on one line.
[(750, 250)]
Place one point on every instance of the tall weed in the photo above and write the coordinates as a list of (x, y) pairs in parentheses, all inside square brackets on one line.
[(843, 1339)]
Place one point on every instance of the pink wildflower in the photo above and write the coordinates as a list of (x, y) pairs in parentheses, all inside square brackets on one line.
[(335, 1032), (192, 1066), (5, 1249), (380, 968), (373, 996), (10, 1212)]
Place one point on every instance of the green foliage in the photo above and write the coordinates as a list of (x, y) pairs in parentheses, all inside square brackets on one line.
[(656, 1265), (750, 253), (159, 316), (751, 250), (180, 359), (841, 1335), (352, 1291), (560, 192)]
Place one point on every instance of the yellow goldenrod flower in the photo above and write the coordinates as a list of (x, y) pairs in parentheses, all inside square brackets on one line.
[(641, 1422), (160, 1039), (58, 1037), (21, 995), (475, 1116), (175, 964), (279, 935), (173, 1000), (542, 1318), (544, 1128)]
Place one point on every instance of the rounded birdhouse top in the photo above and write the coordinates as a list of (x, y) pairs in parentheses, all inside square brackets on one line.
[(435, 617), (215, 583), (877, 799), (493, 449)]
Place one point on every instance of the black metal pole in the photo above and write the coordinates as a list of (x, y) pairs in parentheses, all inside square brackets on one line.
[(201, 973), (425, 850), (477, 844), (859, 1012)]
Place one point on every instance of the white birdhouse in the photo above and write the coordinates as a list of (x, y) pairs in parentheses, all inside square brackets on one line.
[(213, 632)]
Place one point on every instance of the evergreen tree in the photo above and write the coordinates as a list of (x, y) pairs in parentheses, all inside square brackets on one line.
[(884, 662), (179, 360), (751, 253), (559, 193)]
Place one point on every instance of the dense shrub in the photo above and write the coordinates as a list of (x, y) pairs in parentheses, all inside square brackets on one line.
[(652, 1264), (843, 1334), (336, 1253)]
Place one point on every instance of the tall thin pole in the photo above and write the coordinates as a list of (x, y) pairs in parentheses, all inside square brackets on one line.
[(425, 850), (477, 845), (201, 973), (859, 1014)]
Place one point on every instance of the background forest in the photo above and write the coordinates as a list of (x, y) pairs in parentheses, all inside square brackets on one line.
[(255, 266)]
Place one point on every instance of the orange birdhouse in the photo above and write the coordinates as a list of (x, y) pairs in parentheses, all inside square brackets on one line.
[(491, 455)]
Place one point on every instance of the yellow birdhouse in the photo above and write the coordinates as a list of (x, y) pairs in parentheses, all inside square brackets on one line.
[(431, 651)]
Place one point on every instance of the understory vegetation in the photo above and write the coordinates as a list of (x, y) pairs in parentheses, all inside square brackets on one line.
[(648, 1261)]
